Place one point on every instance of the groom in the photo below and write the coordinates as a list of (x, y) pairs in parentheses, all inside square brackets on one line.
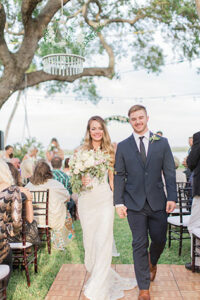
[(141, 161)]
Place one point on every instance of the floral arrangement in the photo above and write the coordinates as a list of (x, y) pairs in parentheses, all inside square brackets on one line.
[(120, 119), (87, 163), (154, 137), (52, 147)]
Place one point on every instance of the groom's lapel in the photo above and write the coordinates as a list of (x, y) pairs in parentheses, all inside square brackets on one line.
[(150, 149), (135, 149)]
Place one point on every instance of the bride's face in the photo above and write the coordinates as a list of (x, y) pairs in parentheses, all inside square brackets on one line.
[(96, 131)]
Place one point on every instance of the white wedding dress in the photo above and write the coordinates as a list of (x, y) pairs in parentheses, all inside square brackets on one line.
[(96, 214)]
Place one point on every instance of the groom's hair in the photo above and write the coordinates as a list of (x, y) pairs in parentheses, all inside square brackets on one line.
[(136, 108)]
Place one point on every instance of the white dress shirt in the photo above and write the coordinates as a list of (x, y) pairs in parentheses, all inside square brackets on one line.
[(145, 140), (146, 145)]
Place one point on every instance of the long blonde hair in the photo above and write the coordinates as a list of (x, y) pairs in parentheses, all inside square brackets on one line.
[(5, 173), (106, 145)]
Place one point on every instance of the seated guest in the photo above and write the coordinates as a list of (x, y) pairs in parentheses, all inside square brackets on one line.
[(61, 224), (31, 155), (27, 167), (193, 162), (58, 174), (180, 175), (8, 153), (66, 166), (16, 162), (25, 193), (54, 150), (10, 212), (160, 133)]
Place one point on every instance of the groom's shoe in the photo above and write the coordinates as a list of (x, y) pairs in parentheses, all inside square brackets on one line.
[(153, 270), (144, 295)]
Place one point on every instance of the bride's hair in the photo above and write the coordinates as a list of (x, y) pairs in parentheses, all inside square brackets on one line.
[(106, 145)]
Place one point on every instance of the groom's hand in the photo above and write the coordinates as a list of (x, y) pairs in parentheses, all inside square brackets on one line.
[(121, 211), (171, 205)]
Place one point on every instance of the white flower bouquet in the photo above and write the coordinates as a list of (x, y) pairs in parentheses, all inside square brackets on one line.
[(87, 163)]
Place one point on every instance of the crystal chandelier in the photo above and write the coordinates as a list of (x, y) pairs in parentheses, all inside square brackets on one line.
[(63, 64)]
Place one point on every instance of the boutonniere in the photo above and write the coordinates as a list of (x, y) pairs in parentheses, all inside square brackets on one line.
[(154, 137)]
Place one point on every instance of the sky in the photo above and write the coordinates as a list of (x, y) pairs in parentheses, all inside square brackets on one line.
[(172, 100)]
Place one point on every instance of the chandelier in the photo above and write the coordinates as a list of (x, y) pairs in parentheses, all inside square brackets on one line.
[(63, 64)]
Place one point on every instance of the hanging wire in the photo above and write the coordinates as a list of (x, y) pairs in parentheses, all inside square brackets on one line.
[(61, 8), (26, 123)]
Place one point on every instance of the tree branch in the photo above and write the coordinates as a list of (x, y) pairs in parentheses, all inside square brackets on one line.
[(95, 25), (27, 9), (198, 7), (75, 14), (37, 77), (2, 22), (11, 32), (47, 14), (5, 55), (98, 23)]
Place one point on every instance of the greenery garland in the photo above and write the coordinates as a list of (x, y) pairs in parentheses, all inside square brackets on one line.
[(121, 119)]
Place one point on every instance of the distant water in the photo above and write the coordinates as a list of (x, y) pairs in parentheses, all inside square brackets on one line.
[(180, 155)]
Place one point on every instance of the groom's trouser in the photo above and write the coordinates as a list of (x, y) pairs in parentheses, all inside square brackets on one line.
[(142, 223)]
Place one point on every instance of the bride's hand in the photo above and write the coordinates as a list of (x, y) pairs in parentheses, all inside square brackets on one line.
[(86, 180), (121, 211)]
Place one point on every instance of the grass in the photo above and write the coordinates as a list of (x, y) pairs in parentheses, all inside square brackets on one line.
[(49, 265)]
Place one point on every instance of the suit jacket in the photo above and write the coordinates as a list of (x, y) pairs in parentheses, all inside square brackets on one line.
[(134, 182), (193, 162)]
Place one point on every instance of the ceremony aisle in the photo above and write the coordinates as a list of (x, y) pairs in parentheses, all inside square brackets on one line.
[(50, 265)]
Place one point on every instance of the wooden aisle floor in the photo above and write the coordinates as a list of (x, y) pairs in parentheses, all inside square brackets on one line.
[(172, 282)]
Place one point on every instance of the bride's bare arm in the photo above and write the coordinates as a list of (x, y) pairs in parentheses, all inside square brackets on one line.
[(111, 179)]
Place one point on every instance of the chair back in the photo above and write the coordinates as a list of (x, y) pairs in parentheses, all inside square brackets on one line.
[(23, 233), (182, 185), (41, 206), (185, 201)]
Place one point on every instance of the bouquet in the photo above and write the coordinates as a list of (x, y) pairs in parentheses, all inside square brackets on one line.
[(52, 147), (91, 163)]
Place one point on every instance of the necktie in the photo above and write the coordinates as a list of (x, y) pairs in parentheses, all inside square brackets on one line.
[(142, 149)]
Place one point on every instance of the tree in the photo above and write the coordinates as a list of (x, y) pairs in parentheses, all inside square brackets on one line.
[(21, 150), (109, 27)]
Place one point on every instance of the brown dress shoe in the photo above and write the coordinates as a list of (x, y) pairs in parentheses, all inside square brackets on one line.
[(144, 295), (153, 270)]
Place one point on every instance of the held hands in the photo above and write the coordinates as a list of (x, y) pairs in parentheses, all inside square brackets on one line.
[(121, 211), (184, 163), (171, 205)]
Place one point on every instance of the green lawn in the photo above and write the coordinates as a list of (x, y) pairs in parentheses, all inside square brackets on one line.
[(49, 265)]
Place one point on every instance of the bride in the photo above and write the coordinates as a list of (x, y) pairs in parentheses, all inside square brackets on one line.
[(96, 212)]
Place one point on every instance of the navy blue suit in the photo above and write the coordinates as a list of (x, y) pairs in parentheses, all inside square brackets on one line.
[(140, 188)]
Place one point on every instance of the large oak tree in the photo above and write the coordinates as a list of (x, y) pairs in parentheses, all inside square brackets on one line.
[(110, 28)]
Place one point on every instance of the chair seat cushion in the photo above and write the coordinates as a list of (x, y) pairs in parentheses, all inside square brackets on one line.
[(196, 231), (4, 271), (20, 245), (177, 211), (175, 220), (43, 226)]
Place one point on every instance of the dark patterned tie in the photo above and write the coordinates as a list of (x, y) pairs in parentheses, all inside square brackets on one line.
[(142, 150)]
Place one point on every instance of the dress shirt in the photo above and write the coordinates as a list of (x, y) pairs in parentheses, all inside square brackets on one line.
[(145, 140), (146, 145)]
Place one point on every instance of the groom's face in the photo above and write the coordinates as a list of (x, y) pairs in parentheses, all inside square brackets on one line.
[(138, 120)]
